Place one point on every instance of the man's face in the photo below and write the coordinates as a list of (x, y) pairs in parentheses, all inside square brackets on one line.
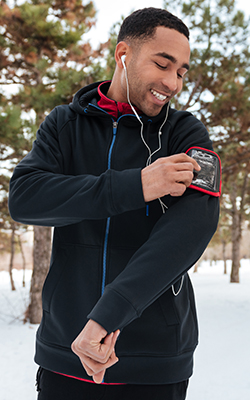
[(156, 71)]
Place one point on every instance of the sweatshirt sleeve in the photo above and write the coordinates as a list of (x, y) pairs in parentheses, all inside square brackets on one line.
[(177, 241), (41, 194)]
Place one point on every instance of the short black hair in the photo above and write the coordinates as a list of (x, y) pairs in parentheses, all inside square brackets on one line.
[(141, 24)]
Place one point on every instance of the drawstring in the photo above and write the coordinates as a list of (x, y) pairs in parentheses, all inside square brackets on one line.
[(179, 290)]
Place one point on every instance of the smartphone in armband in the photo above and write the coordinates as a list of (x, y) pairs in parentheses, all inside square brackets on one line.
[(208, 179)]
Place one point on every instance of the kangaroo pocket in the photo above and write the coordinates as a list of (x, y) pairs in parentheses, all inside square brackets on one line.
[(154, 333), (73, 277), (184, 303), (168, 327)]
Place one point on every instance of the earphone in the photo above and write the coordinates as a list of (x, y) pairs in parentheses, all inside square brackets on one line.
[(149, 160), (163, 206), (123, 61)]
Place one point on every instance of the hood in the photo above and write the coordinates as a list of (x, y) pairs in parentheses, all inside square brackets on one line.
[(85, 96)]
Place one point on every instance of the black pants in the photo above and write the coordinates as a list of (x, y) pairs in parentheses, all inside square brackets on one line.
[(53, 386)]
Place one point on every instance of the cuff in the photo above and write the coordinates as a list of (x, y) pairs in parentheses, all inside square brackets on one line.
[(113, 311), (127, 193)]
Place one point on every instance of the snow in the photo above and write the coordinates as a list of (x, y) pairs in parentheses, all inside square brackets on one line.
[(17, 368), (222, 357), (221, 360)]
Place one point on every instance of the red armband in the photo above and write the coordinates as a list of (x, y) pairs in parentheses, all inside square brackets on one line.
[(208, 179)]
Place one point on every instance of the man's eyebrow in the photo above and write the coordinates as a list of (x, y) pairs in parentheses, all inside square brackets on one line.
[(172, 59)]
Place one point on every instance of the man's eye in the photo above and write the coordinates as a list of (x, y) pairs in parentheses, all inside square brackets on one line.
[(161, 66)]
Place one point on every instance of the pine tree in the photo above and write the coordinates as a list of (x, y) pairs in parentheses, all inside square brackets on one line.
[(13, 144), (230, 117), (217, 91), (43, 53)]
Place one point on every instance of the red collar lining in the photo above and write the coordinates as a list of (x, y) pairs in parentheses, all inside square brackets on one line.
[(115, 109)]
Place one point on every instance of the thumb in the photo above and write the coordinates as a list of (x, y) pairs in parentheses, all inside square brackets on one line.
[(115, 337), (110, 340)]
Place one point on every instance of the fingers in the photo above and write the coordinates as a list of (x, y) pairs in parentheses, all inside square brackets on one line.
[(98, 378), (97, 369), (184, 177), (168, 175), (182, 181), (101, 352), (93, 367), (178, 190), (95, 350), (184, 158), (185, 166)]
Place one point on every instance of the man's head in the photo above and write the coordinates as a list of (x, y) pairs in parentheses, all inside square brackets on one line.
[(153, 52)]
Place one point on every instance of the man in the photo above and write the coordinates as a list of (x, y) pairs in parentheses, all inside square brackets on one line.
[(110, 172)]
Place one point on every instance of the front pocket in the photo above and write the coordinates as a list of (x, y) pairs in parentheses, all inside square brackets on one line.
[(72, 288), (184, 304), (154, 333), (54, 275), (166, 302)]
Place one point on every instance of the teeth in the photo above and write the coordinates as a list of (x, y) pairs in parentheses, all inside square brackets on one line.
[(158, 95)]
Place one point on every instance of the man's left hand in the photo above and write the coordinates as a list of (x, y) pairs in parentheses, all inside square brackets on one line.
[(96, 349)]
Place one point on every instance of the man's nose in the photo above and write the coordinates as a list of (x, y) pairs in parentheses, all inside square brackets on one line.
[(170, 82)]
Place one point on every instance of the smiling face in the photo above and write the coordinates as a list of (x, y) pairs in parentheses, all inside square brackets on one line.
[(155, 70)]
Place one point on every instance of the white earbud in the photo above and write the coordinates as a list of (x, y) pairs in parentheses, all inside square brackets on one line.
[(123, 61)]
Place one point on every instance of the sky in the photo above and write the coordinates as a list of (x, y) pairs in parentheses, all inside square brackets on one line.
[(110, 12)]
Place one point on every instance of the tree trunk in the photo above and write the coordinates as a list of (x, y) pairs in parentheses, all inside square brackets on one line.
[(23, 257), (195, 268), (236, 236), (41, 258), (13, 229), (235, 275), (224, 256)]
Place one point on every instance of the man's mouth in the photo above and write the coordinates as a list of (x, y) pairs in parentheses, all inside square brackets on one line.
[(159, 96)]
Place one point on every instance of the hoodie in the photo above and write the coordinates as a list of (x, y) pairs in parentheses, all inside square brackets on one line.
[(115, 259)]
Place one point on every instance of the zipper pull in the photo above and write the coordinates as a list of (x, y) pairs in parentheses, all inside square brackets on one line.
[(115, 124)]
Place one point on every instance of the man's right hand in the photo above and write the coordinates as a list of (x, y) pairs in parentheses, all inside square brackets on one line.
[(168, 175)]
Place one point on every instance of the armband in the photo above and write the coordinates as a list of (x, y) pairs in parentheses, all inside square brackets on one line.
[(208, 179)]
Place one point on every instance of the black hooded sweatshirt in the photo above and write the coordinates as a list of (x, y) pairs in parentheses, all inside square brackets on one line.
[(115, 259)]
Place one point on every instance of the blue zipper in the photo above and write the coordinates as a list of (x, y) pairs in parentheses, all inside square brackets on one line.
[(104, 262)]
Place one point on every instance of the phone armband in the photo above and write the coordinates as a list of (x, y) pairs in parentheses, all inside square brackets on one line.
[(208, 179)]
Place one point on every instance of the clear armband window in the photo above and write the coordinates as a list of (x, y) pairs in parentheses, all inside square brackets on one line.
[(208, 179)]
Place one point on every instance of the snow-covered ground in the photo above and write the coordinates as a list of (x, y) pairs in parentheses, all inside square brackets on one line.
[(222, 359)]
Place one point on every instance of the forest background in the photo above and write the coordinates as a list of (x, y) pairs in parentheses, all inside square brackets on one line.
[(45, 54)]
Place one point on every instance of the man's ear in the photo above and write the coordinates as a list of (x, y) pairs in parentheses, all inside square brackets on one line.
[(122, 49)]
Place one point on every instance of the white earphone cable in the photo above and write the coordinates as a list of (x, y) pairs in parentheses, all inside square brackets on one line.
[(149, 160), (164, 207), (137, 116)]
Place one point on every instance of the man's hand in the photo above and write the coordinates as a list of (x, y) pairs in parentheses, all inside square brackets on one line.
[(168, 175), (95, 349)]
